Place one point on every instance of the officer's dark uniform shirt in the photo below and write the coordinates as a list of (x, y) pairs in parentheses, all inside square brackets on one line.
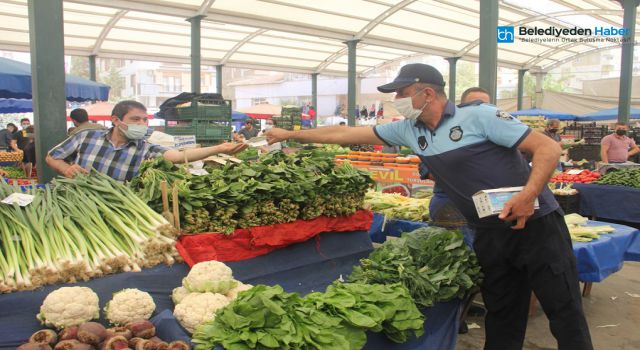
[(473, 148)]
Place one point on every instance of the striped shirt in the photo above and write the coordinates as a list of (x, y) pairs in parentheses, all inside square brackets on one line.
[(93, 149)]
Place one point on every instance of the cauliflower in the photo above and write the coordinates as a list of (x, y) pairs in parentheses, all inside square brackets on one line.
[(198, 308), (69, 306), (129, 305), (209, 276), (233, 292), (179, 294)]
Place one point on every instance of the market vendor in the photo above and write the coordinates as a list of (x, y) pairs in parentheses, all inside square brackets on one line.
[(472, 148), (119, 150), (551, 130), (618, 147), (249, 131), (80, 119)]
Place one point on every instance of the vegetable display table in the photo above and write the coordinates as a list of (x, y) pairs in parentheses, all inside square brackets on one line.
[(609, 202), (303, 267)]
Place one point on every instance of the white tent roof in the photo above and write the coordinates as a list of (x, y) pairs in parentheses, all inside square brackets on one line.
[(307, 35)]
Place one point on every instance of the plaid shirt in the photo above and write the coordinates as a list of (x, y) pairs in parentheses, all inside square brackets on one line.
[(93, 148)]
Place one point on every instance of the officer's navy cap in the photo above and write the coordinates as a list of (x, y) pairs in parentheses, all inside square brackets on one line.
[(411, 74)]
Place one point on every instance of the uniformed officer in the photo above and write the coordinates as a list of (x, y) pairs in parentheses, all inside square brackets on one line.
[(474, 148)]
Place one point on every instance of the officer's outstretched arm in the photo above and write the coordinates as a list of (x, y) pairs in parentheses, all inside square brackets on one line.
[(340, 135)]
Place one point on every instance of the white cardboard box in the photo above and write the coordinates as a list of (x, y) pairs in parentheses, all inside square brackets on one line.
[(491, 202)]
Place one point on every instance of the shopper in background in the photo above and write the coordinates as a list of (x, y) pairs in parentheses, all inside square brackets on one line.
[(363, 112), (474, 148), (249, 131), (475, 93), (618, 147), (80, 119), (6, 135), (119, 151), (29, 158), (20, 139)]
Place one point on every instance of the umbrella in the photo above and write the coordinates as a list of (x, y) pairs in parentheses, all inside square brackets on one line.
[(98, 111), (545, 113), (11, 105), (607, 114), (15, 82), (262, 111)]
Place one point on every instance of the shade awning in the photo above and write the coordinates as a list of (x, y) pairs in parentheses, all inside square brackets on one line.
[(10, 105), (15, 82), (608, 114)]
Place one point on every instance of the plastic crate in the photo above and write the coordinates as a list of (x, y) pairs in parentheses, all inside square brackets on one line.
[(203, 129), (569, 204), (206, 109)]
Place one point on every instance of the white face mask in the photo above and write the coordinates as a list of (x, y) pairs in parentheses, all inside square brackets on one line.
[(405, 107), (134, 131)]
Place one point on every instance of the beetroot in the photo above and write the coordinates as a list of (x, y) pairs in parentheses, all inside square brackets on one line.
[(34, 346), (92, 333), (69, 333), (116, 342), (179, 345), (142, 329), (123, 331), (45, 336), (72, 344), (134, 341)]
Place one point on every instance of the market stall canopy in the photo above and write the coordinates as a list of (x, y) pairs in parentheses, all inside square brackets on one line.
[(15, 82), (262, 111), (308, 36), (545, 113), (12, 105), (238, 116), (98, 111), (607, 114)]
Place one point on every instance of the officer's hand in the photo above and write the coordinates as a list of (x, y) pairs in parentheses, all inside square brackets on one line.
[(276, 135), (520, 208), (74, 169)]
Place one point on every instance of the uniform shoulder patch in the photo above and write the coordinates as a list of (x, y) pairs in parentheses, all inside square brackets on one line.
[(422, 142), (455, 133), (503, 115)]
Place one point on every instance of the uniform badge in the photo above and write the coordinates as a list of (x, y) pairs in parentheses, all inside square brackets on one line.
[(455, 133), (422, 142), (503, 115)]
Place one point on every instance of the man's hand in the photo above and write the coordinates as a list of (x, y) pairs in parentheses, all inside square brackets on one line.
[(231, 148), (276, 135), (72, 170), (520, 208)]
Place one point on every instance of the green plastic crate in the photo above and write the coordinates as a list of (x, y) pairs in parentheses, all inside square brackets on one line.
[(212, 110), (203, 129)]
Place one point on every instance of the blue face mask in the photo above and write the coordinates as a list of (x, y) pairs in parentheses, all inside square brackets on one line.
[(134, 131)]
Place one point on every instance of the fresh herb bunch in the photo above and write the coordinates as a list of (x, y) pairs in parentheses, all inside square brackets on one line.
[(279, 188), (433, 263), (266, 317)]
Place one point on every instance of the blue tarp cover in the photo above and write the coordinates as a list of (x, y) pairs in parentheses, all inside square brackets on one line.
[(546, 113), (15, 82), (607, 114)]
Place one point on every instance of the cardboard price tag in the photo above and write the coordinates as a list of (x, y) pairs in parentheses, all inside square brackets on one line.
[(575, 171), (22, 199)]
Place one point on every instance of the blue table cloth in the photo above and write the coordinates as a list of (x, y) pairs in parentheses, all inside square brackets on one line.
[(598, 259), (609, 202), (304, 267), (380, 230)]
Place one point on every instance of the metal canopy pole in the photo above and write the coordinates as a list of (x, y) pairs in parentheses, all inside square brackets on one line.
[(351, 82), (539, 88), (46, 38), (219, 79), (195, 53), (489, 47), (452, 77), (521, 73), (314, 97), (92, 67), (626, 64)]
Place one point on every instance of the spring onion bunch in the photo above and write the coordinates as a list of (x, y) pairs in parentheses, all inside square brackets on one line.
[(77, 229)]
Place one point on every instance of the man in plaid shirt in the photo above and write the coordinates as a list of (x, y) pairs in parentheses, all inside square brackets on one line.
[(119, 151)]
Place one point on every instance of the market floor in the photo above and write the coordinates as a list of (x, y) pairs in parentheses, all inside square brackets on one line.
[(613, 317)]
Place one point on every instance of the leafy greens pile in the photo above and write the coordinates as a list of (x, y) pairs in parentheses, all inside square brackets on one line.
[(277, 189), (433, 263), (266, 317)]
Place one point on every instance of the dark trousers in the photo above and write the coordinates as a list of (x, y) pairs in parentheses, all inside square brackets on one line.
[(538, 258)]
